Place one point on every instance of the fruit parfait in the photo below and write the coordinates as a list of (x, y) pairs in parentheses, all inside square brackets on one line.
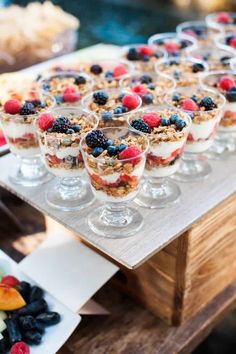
[(226, 21), (205, 108), (18, 113), (216, 58), (68, 88), (149, 86), (225, 83), (112, 106), (167, 131), (173, 43), (143, 56), (60, 132), (200, 31), (227, 41), (115, 159), (185, 71)]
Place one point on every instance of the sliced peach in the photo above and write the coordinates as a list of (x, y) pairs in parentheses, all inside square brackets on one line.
[(10, 299)]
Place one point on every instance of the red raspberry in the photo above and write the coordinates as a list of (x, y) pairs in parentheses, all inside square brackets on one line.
[(172, 47), (223, 17), (189, 105), (140, 89), (131, 152), (2, 139), (70, 95), (120, 70), (152, 119), (232, 42), (45, 121), (130, 101), (146, 50), (20, 348), (11, 281), (12, 106), (226, 83)]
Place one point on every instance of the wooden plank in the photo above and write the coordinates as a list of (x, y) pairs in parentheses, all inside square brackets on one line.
[(161, 226)]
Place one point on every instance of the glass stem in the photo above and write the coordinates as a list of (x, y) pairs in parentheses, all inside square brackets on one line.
[(70, 188), (156, 186), (115, 214), (31, 168)]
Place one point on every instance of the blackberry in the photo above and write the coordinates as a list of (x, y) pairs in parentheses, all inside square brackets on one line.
[(96, 69), (100, 97), (61, 125), (208, 103), (96, 139), (147, 99), (133, 54), (27, 108), (197, 67), (80, 80), (145, 79), (140, 125), (231, 94)]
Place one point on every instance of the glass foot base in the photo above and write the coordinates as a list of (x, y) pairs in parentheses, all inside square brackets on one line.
[(218, 151), (70, 200), (192, 171), (115, 223), (158, 196)]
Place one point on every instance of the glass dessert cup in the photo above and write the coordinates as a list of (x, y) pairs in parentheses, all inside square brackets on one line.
[(226, 21), (205, 122), (68, 88), (108, 114), (199, 31), (21, 135), (116, 181), (63, 159), (215, 57), (225, 82), (227, 41), (185, 71), (166, 145), (142, 56), (151, 87), (173, 43)]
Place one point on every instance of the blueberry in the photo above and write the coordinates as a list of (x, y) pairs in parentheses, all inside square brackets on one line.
[(165, 121), (97, 151), (121, 96), (176, 97), (184, 43), (46, 86), (76, 128), (109, 74), (206, 56), (59, 99), (106, 116), (180, 124), (124, 109), (118, 110), (112, 150), (225, 60), (173, 62), (229, 38), (148, 99), (145, 79), (109, 142), (174, 118), (151, 86), (194, 98), (133, 54), (69, 131), (96, 69), (80, 80), (177, 74), (231, 94), (197, 67), (146, 58), (121, 147)]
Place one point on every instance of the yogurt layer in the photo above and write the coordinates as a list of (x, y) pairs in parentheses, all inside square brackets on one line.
[(165, 149), (198, 146), (203, 130), (64, 173), (163, 171), (17, 130), (30, 152)]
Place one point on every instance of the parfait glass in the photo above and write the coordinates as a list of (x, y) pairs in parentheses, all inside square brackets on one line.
[(115, 181), (205, 122), (227, 41), (18, 114), (225, 83), (167, 139), (63, 158), (226, 21), (151, 87)]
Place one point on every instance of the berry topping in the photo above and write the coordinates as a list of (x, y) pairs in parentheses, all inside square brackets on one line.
[(197, 67), (223, 17), (120, 110), (133, 54), (71, 95), (12, 106), (130, 101), (189, 105), (180, 124), (106, 116), (207, 103), (61, 125), (20, 348), (112, 150), (147, 99), (172, 47), (96, 138), (100, 97), (27, 108), (11, 281), (231, 94), (119, 70), (76, 128), (70, 131), (226, 83), (97, 151), (140, 125), (45, 121), (145, 79), (165, 122), (152, 119), (80, 80), (232, 42), (121, 147), (146, 50), (96, 69), (140, 89), (131, 152)]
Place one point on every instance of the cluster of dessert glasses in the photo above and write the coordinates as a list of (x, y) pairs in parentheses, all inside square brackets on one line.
[(126, 129)]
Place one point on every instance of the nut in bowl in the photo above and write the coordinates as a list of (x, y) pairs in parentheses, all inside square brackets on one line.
[(18, 113), (205, 108), (60, 132), (68, 88), (115, 159), (112, 106), (167, 131), (150, 87)]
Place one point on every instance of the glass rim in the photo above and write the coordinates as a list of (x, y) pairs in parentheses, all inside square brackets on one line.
[(50, 75), (154, 37), (102, 160), (138, 45), (118, 61), (181, 59), (180, 27)]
